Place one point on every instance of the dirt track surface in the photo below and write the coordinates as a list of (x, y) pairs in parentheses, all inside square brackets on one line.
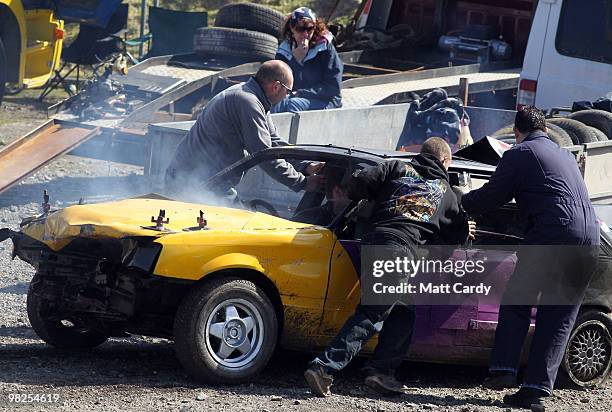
[(137, 373)]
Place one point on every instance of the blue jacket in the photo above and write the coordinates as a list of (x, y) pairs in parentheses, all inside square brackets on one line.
[(549, 190), (320, 74)]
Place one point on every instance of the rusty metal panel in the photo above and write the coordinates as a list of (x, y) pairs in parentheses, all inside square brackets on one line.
[(26, 155)]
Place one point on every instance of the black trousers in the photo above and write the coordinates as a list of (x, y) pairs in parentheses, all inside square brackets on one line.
[(545, 276), (394, 324)]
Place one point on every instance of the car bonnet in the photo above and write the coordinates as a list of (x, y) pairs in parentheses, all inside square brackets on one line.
[(131, 217)]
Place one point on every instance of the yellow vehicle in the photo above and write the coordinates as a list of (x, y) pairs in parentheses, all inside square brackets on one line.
[(30, 43), (230, 284)]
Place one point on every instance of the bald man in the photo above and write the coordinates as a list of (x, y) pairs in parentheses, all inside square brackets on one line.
[(235, 124)]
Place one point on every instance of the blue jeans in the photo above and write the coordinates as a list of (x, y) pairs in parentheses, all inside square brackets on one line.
[(299, 104), (393, 323)]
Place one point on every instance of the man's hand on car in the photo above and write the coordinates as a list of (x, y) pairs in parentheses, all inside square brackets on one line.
[(471, 230), (314, 168), (315, 183)]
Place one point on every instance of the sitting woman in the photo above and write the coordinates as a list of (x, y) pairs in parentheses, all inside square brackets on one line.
[(317, 68)]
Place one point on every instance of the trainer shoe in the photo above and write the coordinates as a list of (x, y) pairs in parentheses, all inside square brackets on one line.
[(319, 381), (527, 398), (500, 380), (386, 384)]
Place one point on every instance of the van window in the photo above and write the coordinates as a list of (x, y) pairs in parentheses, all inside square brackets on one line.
[(585, 30)]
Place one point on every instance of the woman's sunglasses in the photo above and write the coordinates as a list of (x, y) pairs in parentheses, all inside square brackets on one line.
[(302, 29)]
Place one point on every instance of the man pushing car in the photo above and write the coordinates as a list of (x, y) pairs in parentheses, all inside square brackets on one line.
[(412, 203)]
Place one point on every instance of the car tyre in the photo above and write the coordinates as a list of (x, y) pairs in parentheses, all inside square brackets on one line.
[(588, 359), (250, 16), (599, 119), (238, 43), (62, 334), (506, 138), (558, 135), (225, 331), (555, 133), (578, 132)]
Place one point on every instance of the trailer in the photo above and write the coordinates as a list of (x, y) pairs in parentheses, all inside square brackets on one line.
[(380, 128)]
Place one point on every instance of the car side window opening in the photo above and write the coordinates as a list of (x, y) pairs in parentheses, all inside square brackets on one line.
[(257, 187), (586, 23)]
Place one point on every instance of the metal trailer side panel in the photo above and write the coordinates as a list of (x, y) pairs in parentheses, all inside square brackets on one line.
[(598, 171)]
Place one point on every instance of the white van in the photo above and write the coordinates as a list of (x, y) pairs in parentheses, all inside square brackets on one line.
[(569, 53)]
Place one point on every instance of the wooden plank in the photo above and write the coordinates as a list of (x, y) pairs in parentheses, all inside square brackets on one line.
[(26, 155)]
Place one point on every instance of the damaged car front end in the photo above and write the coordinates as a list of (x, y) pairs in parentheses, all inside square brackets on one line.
[(95, 274)]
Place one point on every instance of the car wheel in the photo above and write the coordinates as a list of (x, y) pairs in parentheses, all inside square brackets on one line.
[(225, 331), (588, 358), (58, 332), (250, 16), (223, 42), (599, 119), (2, 70)]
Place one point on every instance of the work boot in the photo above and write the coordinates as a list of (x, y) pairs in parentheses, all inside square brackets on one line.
[(499, 380), (319, 381), (527, 398), (385, 384)]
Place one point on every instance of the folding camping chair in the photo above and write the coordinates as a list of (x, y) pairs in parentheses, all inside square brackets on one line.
[(170, 31), (92, 47)]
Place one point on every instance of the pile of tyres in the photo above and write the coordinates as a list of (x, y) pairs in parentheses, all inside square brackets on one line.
[(584, 126), (245, 31)]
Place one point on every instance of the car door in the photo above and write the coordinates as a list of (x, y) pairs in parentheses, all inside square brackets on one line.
[(344, 293)]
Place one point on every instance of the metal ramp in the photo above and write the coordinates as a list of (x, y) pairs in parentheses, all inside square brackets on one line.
[(29, 153)]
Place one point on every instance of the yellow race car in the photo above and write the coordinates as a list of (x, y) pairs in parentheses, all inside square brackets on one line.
[(228, 284)]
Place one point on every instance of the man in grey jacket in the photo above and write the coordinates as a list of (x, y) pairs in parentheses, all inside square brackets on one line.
[(235, 124)]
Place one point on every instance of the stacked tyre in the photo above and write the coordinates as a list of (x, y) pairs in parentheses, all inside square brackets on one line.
[(555, 133), (244, 31), (598, 121), (585, 126)]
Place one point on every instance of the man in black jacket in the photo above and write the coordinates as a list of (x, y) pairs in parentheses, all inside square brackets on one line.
[(413, 203), (556, 260)]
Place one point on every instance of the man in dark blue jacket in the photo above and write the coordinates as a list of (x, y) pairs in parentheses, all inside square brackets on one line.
[(560, 248)]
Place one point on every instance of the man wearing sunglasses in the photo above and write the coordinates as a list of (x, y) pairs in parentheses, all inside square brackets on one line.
[(234, 124), (317, 70)]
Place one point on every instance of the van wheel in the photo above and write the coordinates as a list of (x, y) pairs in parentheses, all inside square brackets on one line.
[(2, 70), (578, 132), (250, 16), (225, 331), (588, 355), (224, 42), (598, 119), (61, 333)]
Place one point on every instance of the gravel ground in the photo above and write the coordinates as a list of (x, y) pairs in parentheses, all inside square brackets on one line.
[(140, 373)]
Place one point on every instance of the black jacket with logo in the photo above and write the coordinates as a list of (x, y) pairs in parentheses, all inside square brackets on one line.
[(413, 202)]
